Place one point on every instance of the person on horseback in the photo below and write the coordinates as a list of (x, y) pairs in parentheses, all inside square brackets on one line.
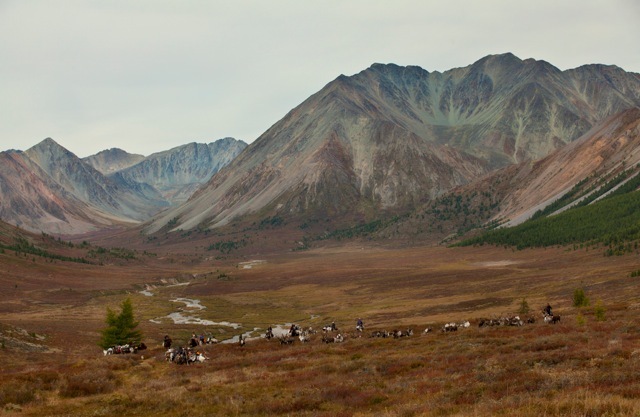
[(269, 333)]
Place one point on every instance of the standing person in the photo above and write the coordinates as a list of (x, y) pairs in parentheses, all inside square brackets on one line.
[(359, 325), (167, 342), (547, 310)]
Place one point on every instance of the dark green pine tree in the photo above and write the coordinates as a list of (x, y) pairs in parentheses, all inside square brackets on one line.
[(121, 328)]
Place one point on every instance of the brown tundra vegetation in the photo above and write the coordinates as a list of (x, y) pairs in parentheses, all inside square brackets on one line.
[(588, 364)]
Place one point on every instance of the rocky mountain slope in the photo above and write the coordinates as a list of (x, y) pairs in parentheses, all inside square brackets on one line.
[(48, 188), (605, 157), (92, 187), (178, 172), (391, 138), (32, 200), (609, 148), (112, 160)]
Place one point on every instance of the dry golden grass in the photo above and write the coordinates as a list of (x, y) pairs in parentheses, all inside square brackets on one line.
[(576, 368)]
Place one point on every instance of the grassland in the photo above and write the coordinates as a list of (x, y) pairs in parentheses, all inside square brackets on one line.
[(52, 315)]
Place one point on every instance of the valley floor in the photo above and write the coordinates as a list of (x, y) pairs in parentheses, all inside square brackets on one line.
[(587, 365)]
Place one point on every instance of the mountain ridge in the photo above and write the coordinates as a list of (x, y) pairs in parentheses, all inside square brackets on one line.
[(48, 188), (112, 160), (390, 138)]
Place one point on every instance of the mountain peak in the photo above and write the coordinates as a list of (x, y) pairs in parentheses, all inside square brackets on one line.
[(50, 147), (396, 70), (112, 160), (47, 142)]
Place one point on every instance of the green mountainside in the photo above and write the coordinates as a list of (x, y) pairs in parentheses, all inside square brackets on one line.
[(612, 222)]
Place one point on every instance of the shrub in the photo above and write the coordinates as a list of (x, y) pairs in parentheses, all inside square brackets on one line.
[(524, 307), (599, 311), (579, 298), (15, 393), (89, 382)]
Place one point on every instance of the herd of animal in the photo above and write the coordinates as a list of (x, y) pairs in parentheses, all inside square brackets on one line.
[(126, 348), (184, 356), (330, 334)]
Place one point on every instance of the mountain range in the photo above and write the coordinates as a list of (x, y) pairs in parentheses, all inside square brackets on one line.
[(178, 172), (48, 188), (389, 140)]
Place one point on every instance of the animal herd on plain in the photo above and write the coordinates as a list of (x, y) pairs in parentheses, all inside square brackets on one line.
[(126, 348), (330, 334)]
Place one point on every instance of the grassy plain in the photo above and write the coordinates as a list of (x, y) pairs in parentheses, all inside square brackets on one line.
[(52, 313)]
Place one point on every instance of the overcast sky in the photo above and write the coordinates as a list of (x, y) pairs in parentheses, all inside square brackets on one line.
[(149, 75)]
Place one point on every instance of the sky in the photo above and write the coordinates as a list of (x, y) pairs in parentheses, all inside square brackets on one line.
[(149, 75)]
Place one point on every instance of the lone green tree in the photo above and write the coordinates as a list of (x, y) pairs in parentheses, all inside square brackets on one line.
[(121, 328)]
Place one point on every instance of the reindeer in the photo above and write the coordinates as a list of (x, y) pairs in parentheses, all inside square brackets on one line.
[(337, 339), (304, 337), (554, 319), (286, 340), (450, 327), (402, 333), (195, 357), (550, 318), (330, 328), (380, 333), (295, 330)]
